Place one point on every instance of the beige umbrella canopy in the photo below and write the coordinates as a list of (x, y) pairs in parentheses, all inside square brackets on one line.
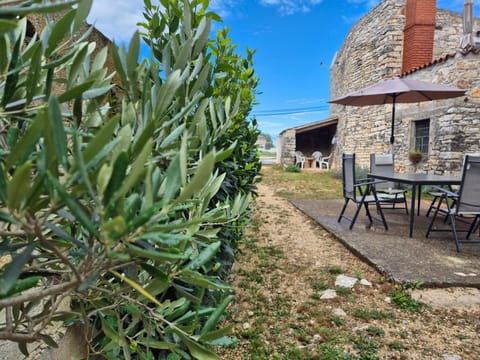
[(398, 90)]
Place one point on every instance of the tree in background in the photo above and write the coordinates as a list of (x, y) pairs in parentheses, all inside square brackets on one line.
[(269, 141)]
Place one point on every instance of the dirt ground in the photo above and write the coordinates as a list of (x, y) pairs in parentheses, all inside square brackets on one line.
[(279, 313)]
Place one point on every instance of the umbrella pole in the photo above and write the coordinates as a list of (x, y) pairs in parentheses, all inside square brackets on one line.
[(392, 138)]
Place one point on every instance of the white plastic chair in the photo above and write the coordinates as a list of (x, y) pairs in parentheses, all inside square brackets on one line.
[(325, 161), (299, 159), (317, 158)]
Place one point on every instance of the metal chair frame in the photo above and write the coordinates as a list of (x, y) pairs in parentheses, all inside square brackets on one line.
[(364, 197), (467, 203), (384, 165)]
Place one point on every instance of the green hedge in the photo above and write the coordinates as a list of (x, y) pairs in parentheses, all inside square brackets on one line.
[(127, 207)]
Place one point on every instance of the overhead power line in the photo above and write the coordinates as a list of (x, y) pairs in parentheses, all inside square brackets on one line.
[(275, 112)]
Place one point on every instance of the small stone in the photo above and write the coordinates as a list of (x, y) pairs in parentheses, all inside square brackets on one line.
[(451, 357), (316, 339), (251, 313), (328, 294), (339, 312), (365, 282), (360, 328), (388, 300), (345, 281), (246, 326)]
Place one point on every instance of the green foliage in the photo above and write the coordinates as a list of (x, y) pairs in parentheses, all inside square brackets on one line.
[(123, 209), (292, 168), (219, 76), (402, 297)]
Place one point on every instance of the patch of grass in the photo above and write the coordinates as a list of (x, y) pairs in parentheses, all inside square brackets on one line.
[(271, 251), (368, 314), (316, 185), (338, 321), (396, 345), (375, 331), (330, 352), (335, 271), (254, 275), (343, 291), (319, 285), (366, 347), (292, 168)]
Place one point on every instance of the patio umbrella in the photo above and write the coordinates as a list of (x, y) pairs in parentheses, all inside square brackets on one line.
[(466, 41), (398, 90)]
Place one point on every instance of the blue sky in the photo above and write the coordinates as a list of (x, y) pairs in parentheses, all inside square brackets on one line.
[(295, 42)]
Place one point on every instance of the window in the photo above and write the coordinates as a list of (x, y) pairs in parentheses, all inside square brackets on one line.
[(422, 128)]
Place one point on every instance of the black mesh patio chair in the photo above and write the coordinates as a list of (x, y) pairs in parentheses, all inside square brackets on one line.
[(388, 192), (437, 195), (361, 192), (466, 200), (437, 201)]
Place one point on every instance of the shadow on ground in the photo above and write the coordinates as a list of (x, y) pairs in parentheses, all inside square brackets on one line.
[(432, 261)]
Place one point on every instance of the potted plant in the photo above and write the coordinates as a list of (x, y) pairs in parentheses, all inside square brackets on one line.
[(415, 157)]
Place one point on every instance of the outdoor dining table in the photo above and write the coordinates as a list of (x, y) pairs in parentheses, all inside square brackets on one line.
[(416, 181)]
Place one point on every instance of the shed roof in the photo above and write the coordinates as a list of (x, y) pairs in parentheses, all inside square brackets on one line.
[(313, 125)]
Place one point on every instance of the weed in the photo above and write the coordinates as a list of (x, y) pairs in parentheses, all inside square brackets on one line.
[(367, 347), (358, 274), (252, 275), (292, 169), (396, 345), (330, 352), (319, 286), (343, 291), (375, 331), (338, 321), (335, 271), (401, 296), (270, 251), (367, 314)]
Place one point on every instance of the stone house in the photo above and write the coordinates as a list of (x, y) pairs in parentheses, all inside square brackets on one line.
[(261, 142), (413, 39)]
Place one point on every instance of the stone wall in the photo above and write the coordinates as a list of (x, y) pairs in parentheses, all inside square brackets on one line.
[(372, 51), (454, 123), (286, 147)]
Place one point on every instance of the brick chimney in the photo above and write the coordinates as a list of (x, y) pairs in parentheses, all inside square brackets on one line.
[(418, 33)]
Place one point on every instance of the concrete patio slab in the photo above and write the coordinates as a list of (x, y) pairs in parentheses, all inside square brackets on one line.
[(432, 261)]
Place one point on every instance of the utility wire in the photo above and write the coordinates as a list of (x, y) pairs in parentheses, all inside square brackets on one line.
[(290, 111)]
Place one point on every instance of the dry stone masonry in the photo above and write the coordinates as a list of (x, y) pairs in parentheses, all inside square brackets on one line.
[(373, 50)]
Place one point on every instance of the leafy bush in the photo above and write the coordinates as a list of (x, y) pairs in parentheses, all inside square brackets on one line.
[(292, 168), (120, 205)]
